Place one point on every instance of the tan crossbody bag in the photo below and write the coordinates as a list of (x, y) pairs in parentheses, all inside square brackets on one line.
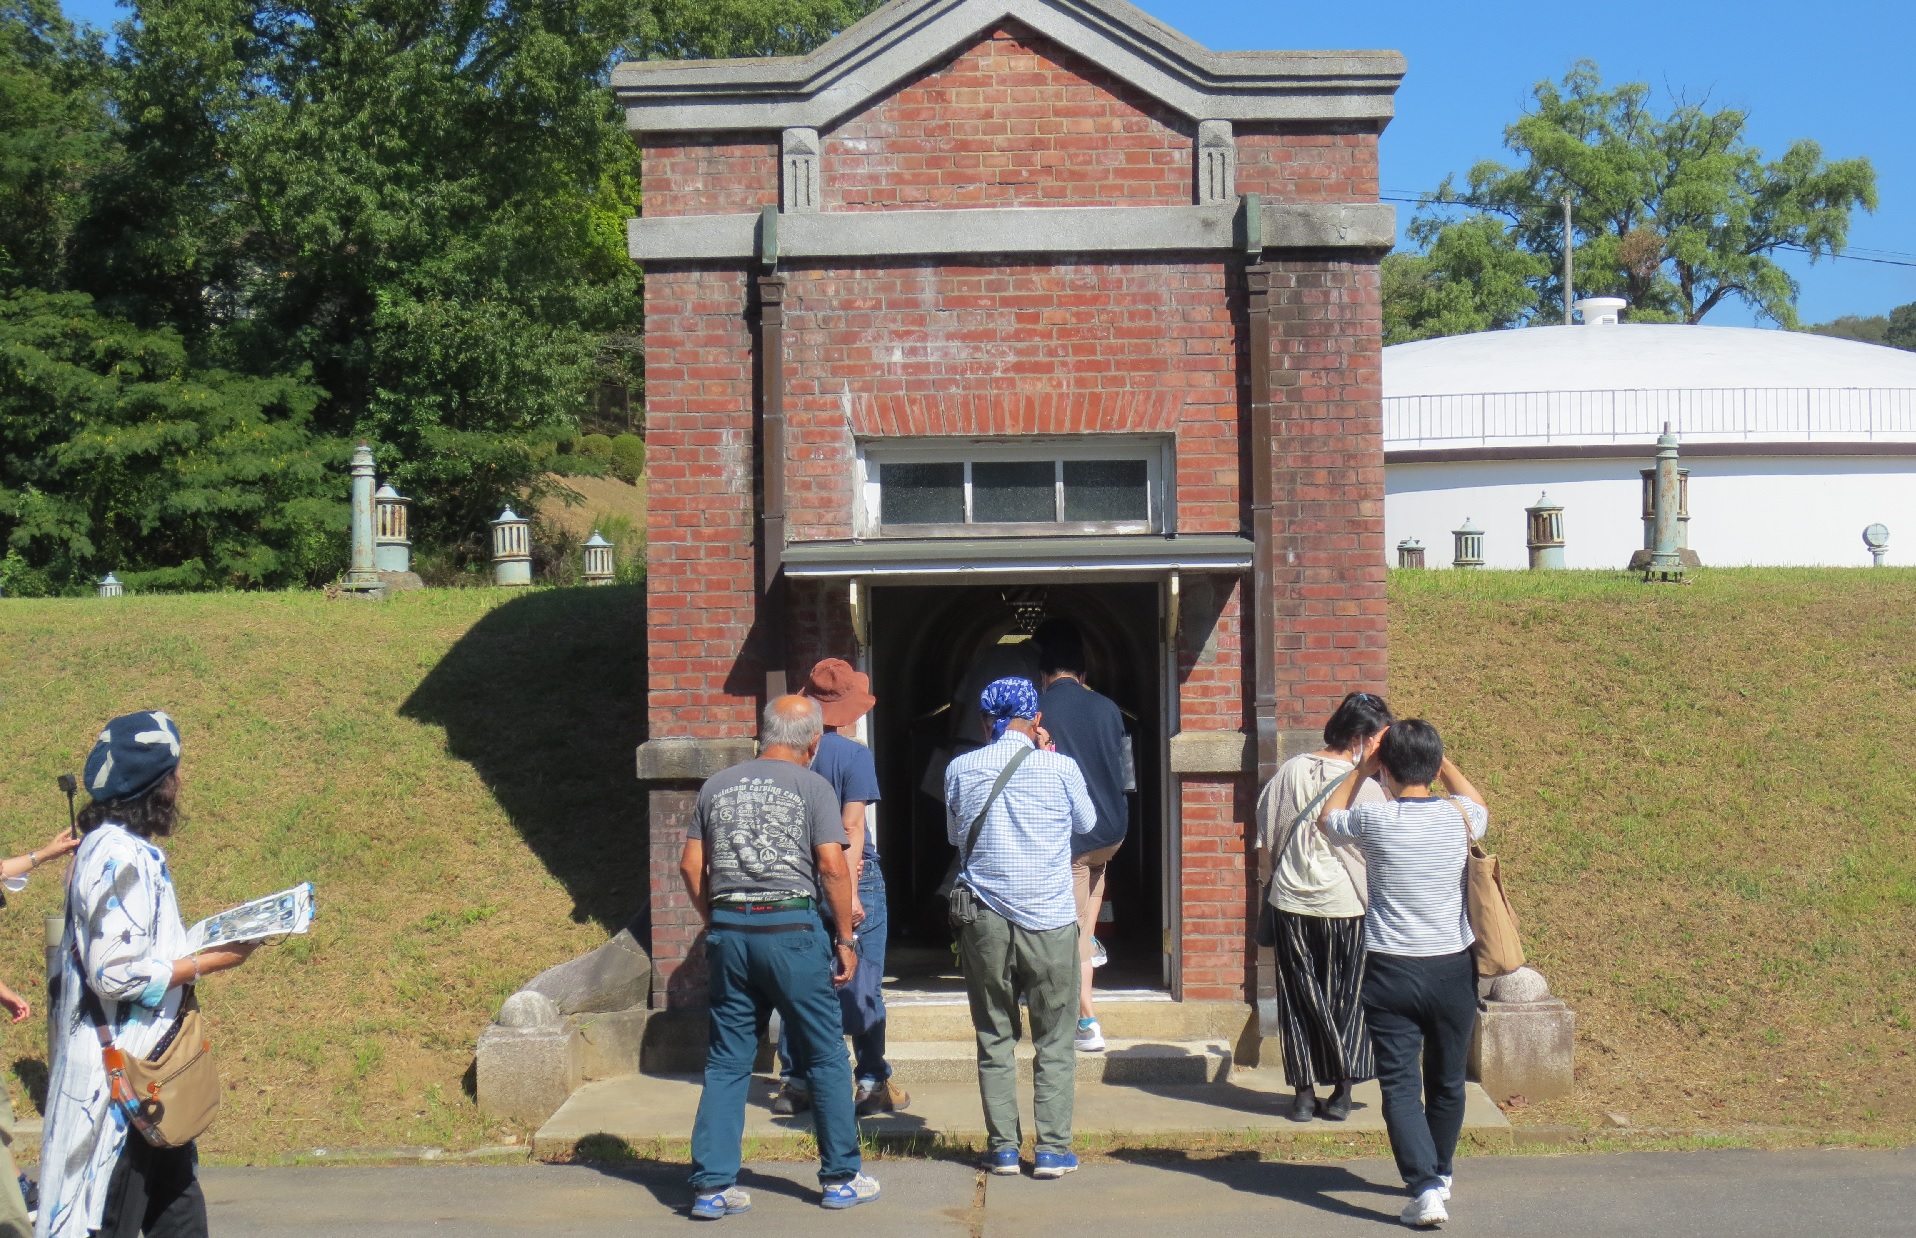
[(1498, 949), (171, 1097)]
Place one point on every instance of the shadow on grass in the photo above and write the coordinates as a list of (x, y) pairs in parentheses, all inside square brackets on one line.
[(32, 1073), (546, 697)]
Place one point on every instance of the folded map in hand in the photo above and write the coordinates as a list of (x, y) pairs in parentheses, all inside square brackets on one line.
[(289, 911)]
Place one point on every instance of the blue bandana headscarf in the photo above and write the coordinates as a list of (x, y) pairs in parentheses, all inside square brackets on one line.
[(1005, 699)]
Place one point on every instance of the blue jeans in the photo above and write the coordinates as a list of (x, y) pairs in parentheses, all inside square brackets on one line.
[(868, 1046), (761, 961)]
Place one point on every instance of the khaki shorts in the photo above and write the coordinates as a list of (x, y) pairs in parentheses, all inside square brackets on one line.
[(1087, 888)]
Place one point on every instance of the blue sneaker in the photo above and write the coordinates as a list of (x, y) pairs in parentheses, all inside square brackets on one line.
[(1055, 1164), (717, 1205), (853, 1191), (1002, 1161)]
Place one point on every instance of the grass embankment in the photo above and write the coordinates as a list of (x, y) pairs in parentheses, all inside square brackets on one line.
[(1704, 799), (1703, 796), (451, 769)]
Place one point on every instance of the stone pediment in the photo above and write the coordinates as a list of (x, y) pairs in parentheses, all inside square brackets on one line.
[(905, 38)]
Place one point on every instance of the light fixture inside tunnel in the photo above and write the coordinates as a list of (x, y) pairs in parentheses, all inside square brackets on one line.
[(1027, 603)]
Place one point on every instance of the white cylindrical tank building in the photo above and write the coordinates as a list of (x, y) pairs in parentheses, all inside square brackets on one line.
[(1794, 443)]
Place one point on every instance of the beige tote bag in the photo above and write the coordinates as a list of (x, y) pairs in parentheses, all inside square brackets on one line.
[(1498, 949)]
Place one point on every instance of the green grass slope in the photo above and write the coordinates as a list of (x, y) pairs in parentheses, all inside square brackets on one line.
[(451, 769), (1704, 798)]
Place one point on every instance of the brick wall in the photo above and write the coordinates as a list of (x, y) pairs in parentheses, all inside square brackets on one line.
[(1326, 163), (1060, 346), (1326, 379), (1013, 332), (1012, 121)]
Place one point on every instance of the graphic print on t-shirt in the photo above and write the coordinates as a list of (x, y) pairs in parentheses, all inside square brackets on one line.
[(759, 832)]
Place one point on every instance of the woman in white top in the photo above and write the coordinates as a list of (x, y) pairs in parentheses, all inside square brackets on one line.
[(1420, 986), (1318, 892), (124, 962)]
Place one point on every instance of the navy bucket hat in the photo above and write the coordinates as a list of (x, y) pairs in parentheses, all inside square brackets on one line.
[(133, 754)]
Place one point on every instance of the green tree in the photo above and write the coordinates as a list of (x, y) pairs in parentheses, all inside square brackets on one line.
[(117, 454), (56, 131), (718, 29), (1470, 276), (1901, 331), (1676, 212), (419, 202)]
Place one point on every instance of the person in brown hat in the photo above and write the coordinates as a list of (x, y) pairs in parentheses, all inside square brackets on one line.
[(844, 696)]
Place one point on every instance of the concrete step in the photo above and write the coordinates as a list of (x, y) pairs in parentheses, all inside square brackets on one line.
[(651, 1116), (918, 1062), (1154, 1018)]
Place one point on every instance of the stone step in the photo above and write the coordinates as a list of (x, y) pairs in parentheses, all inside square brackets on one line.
[(1156, 1018), (651, 1115), (917, 1062)]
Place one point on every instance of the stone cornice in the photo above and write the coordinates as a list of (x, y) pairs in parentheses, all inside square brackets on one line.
[(906, 37), (1018, 230)]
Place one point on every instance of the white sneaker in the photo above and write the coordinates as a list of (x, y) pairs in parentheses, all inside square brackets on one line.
[(1090, 1037), (850, 1193), (1443, 1192), (1427, 1210)]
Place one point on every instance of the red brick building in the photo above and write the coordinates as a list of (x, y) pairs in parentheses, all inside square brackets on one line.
[(995, 309)]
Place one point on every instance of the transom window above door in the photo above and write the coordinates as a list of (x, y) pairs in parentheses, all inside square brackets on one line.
[(933, 488)]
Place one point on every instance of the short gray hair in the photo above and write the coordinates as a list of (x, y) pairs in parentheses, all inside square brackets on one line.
[(788, 726)]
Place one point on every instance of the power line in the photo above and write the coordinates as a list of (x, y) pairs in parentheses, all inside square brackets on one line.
[(1880, 257)]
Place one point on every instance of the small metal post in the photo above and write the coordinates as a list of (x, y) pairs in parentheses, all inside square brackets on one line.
[(392, 548), (1876, 541), (598, 560), (1666, 558), (362, 571), (1544, 534), (1650, 508), (1469, 545), (110, 586), (511, 550), (1410, 553)]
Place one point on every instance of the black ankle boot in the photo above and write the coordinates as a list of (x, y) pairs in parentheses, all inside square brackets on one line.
[(1303, 1105), (1338, 1107)]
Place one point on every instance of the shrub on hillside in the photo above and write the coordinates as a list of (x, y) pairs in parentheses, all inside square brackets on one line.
[(595, 447), (628, 457)]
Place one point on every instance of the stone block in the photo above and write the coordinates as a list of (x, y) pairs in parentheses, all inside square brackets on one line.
[(1210, 752), (616, 976), (526, 1073), (610, 1042), (1525, 1049), (691, 760)]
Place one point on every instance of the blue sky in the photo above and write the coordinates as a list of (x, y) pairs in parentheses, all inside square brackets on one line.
[(1835, 73)]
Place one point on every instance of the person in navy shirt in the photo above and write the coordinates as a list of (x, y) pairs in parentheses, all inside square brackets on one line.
[(845, 696)]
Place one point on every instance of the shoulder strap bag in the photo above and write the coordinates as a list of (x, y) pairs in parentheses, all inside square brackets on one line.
[(172, 1096), (1265, 933), (961, 902), (1498, 949)]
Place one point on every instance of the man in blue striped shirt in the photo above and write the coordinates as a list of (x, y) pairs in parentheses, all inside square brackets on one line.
[(1022, 940)]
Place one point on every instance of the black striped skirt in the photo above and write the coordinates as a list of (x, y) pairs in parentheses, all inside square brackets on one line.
[(1320, 981)]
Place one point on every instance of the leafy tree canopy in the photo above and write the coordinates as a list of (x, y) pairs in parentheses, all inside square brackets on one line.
[(1674, 211), (1896, 328)]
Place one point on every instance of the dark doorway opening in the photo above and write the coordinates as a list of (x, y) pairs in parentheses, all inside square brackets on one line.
[(932, 644)]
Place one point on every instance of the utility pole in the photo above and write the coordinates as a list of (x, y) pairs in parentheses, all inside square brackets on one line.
[(1569, 288)]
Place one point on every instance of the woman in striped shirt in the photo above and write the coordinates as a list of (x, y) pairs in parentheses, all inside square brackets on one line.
[(1420, 988)]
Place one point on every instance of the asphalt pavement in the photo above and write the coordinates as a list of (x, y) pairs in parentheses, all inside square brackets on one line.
[(1701, 1194)]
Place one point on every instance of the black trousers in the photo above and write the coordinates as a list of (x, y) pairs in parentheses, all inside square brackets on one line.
[(1320, 972), (155, 1192), (1427, 1007)]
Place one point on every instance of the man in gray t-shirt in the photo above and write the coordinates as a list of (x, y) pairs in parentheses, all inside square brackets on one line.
[(766, 841), (761, 823)]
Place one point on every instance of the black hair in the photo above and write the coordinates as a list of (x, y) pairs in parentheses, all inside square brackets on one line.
[(1412, 751), (152, 815), (1060, 647), (1360, 716)]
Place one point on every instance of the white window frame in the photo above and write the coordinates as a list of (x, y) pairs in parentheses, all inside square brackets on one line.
[(1156, 450)]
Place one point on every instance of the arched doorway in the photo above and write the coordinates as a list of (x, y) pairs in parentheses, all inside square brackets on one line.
[(932, 644)]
